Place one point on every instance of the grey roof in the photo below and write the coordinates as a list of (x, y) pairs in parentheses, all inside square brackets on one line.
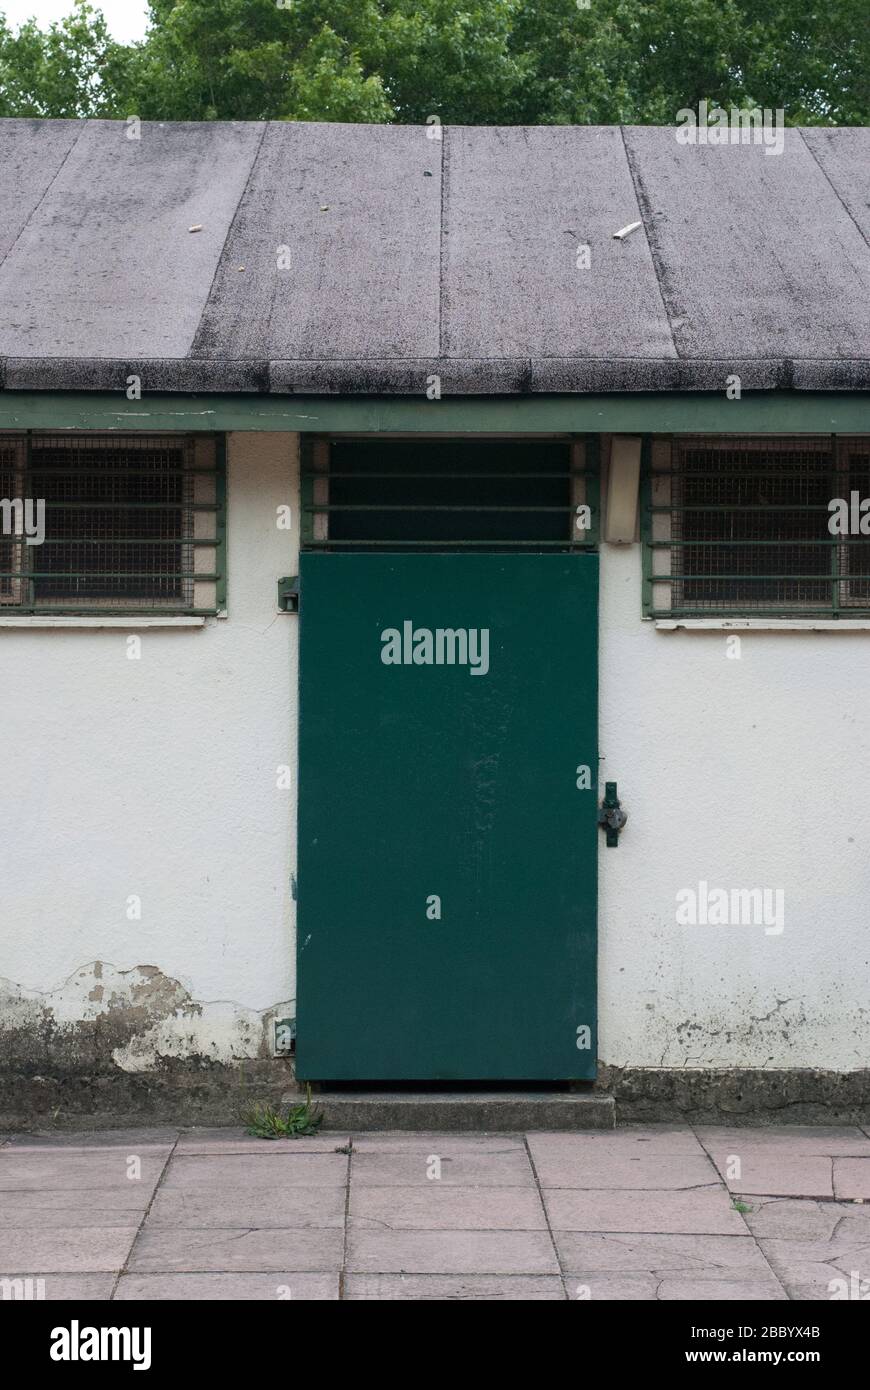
[(406, 256)]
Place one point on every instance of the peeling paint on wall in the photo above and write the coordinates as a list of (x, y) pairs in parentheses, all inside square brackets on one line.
[(130, 1019)]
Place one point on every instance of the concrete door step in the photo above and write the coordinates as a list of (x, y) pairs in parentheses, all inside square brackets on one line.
[(457, 1111)]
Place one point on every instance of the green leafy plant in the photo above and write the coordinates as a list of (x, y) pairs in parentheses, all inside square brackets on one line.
[(742, 1207), (503, 62), (265, 1122)]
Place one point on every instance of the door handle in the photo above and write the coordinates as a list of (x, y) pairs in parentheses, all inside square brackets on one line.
[(611, 816)]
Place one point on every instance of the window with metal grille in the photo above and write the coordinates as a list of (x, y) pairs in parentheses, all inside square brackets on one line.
[(737, 526), (449, 494), (130, 524)]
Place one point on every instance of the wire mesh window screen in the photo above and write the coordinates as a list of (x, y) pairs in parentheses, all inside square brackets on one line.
[(740, 526), (131, 524), (11, 517), (854, 559), (449, 494)]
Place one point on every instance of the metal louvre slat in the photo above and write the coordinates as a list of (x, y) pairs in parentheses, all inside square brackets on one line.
[(457, 494)]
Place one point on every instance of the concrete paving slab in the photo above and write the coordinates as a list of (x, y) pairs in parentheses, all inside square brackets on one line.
[(90, 1151), (786, 1175), (437, 1207), (235, 1288), (72, 1250), (60, 1288), (818, 1141), (235, 1141), (852, 1178), (221, 1250), (507, 1168), (819, 1270), (822, 1283), (699, 1211), (59, 1171), (843, 1251), (79, 1139), (664, 1138), (429, 1142), (598, 1286), (451, 1252), (587, 1166), (691, 1290), (471, 1288), (784, 1218), (672, 1287), (644, 1142), (707, 1257), (265, 1171), (275, 1206), (109, 1206)]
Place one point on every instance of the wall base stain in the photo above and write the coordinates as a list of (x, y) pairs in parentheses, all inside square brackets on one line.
[(126, 1043), (738, 1095), (115, 1048)]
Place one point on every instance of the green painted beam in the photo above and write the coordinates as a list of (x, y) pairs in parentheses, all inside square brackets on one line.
[(761, 412)]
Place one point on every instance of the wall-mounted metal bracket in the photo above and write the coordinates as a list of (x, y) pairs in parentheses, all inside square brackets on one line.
[(611, 816), (288, 594)]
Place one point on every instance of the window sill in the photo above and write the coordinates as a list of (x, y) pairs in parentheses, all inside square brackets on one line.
[(130, 620), (765, 624)]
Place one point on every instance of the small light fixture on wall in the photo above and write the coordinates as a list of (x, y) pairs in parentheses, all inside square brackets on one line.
[(620, 520)]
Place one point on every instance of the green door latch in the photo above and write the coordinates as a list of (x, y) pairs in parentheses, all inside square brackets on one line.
[(611, 815)]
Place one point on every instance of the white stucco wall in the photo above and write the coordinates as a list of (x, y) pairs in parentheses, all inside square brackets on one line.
[(157, 778), (749, 772)]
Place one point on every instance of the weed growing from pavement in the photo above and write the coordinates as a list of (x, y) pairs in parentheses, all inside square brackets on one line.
[(265, 1122)]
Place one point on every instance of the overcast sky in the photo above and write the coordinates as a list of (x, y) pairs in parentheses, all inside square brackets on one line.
[(125, 18)]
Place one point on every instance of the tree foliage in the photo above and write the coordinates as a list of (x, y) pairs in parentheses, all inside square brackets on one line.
[(465, 61)]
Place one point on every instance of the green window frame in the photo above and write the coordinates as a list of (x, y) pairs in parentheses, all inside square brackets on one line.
[(450, 493), (131, 524), (737, 526)]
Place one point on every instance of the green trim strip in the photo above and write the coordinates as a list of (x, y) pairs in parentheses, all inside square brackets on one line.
[(760, 412), (220, 459)]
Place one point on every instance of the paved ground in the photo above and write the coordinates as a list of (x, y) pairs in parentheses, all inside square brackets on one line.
[(653, 1213)]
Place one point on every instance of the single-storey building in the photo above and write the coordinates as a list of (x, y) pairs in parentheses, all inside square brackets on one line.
[(386, 515)]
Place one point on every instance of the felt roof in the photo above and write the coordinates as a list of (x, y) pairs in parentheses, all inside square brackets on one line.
[(365, 259)]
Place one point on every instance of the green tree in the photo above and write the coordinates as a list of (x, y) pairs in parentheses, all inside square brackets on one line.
[(466, 61), (74, 68)]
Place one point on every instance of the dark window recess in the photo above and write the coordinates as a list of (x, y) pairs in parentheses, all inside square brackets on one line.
[(424, 494), (743, 525)]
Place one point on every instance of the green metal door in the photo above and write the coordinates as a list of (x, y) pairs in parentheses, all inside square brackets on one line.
[(447, 817)]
